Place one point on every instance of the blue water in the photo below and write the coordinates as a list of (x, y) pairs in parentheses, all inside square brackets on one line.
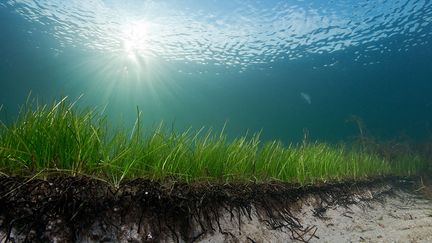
[(282, 67)]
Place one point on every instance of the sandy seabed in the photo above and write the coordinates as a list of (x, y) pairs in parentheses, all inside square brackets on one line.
[(398, 217), (401, 218)]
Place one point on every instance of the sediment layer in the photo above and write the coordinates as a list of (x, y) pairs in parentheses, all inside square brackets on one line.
[(82, 209)]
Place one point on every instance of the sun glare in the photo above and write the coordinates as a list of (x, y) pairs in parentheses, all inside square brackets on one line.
[(135, 39), (132, 68)]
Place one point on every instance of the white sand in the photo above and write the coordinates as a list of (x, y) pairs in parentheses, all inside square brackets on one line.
[(400, 217)]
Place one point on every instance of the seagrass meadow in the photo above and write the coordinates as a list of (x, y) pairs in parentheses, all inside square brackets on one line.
[(215, 121), (61, 138)]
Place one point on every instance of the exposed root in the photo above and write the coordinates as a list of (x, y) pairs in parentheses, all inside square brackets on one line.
[(63, 208)]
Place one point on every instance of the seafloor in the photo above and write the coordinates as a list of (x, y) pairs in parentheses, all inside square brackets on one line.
[(80, 209)]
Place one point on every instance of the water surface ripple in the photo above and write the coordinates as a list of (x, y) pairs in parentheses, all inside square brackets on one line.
[(232, 33)]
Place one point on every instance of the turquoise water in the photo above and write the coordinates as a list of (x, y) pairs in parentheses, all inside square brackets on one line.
[(282, 67)]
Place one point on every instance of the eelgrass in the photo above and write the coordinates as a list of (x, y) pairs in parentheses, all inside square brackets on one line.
[(65, 139)]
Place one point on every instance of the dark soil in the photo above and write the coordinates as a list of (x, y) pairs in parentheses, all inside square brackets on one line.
[(75, 209)]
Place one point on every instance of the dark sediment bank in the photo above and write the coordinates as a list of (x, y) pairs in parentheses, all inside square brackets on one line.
[(82, 209)]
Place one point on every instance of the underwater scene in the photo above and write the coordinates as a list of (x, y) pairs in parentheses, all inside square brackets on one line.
[(176, 115), (276, 66)]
